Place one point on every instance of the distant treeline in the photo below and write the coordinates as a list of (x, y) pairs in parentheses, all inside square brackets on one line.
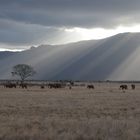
[(76, 81)]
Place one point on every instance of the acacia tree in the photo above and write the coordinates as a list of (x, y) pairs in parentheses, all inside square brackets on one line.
[(23, 71)]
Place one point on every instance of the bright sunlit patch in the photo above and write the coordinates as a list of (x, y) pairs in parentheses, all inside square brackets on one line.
[(134, 28), (100, 33), (7, 47), (11, 50), (86, 34)]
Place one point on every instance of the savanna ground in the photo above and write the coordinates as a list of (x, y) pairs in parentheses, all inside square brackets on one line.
[(105, 113)]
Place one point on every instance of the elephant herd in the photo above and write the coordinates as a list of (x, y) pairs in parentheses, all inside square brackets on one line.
[(122, 87), (58, 85), (15, 85), (25, 85), (125, 87)]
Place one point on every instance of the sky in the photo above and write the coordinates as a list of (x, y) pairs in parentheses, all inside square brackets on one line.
[(26, 23)]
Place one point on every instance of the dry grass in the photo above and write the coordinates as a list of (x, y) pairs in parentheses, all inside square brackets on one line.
[(105, 113)]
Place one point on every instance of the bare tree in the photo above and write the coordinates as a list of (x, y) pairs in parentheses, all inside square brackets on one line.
[(23, 71)]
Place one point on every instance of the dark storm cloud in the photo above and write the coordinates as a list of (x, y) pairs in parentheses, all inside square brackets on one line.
[(17, 33), (83, 13)]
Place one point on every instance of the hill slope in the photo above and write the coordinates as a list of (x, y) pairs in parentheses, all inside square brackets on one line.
[(114, 58)]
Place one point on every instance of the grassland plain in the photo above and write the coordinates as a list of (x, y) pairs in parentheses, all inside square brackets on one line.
[(105, 113)]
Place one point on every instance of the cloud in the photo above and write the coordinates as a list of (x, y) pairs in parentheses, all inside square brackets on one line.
[(17, 33), (71, 13), (35, 21)]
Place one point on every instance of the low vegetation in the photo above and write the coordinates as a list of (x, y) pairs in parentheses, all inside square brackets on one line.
[(103, 113)]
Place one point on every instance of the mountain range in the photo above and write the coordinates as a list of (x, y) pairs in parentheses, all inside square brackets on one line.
[(112, 58)]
